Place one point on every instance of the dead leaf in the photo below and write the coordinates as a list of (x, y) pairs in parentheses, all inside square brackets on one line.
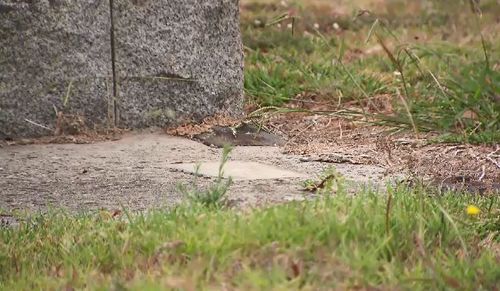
[(452, 282), (116, 213), (469, 114), (296, 268)]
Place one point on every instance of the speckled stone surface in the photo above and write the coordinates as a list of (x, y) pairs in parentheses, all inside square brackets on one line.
[(174, 60), (47, 49), (177, 60)]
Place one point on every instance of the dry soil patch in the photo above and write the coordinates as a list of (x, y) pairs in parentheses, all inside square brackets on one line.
[(136, 172)]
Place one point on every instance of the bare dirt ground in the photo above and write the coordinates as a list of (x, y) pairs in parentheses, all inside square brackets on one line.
[(329, 138), (133, 169), (133, 172)]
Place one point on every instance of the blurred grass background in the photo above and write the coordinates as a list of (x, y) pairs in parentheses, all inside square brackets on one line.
[(436, 61)]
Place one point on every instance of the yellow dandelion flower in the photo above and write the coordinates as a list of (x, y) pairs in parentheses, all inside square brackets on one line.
[(473, 210)]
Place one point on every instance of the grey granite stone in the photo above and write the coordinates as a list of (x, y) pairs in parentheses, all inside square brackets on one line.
[(177, 60), (174, 60), (47, 49)]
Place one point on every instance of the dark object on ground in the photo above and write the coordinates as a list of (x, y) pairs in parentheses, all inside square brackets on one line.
[(243, 135)]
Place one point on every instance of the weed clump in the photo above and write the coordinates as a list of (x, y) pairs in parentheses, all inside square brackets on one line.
[(214, 196)]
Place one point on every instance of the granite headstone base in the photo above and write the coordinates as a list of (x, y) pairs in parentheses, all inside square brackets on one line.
[(54, 57), (125, 63), (177, 60)]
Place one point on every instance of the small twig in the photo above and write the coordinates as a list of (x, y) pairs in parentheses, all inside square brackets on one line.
[(483, 173), (490, 155), (340, 130), (38, 124), (162, 78), (68, 92), (329, 122), (459, 148)]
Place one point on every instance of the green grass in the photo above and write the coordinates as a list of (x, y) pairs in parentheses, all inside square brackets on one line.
[(449, 58), (412, 241)]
